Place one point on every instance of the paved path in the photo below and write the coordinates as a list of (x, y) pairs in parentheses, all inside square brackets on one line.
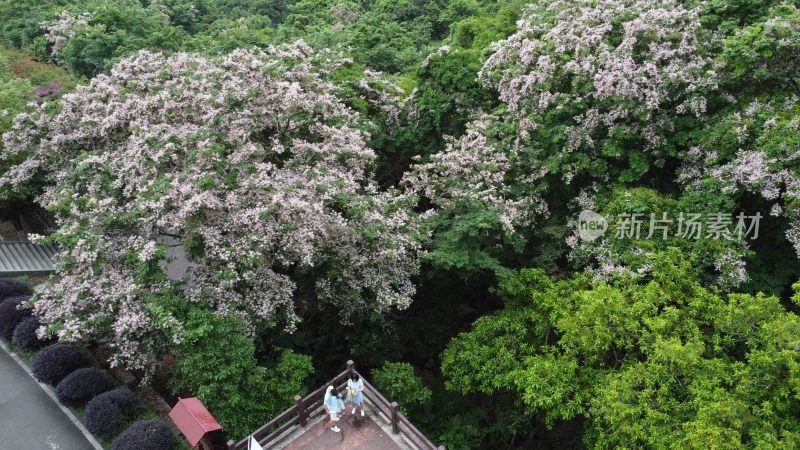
[(29, 419)]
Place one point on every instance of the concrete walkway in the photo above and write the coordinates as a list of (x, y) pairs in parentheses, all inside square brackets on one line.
[(29, 418)]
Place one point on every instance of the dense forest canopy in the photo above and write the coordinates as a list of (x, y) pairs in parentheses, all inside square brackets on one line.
[(407, 184)]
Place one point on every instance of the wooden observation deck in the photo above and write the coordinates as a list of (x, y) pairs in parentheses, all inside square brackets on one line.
[(304, 425)]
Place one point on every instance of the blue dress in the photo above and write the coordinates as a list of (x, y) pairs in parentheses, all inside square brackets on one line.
[(355, 386), (334, 403)]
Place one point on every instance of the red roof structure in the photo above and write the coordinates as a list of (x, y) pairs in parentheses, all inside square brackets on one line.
[(193, 419)]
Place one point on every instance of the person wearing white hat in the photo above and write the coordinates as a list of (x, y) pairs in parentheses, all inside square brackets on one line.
[(333, 405)]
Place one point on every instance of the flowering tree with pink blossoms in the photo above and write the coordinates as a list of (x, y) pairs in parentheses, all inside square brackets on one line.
[(743, 162), (247, 165), (749, 158), (752, 149), (481, 195), (62, 29), (642, 224), (598, 87), (590, 89)]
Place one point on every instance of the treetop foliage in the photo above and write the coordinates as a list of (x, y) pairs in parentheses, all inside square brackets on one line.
[(661, 362), (265, 189)]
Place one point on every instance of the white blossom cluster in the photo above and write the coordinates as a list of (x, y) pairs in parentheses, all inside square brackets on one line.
[(62, 29), (248, 161), (621, 67), (764, 161), (477, 170)]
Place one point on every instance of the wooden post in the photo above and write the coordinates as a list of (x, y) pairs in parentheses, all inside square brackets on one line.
[(351, 367), (395, 418), (301, 413), (231, 445), (441, 447), (205, 444)]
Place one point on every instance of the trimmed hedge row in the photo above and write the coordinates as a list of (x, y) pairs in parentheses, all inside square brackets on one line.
[(25, 334), (55, 362), (10, 316), (125, 400), (105, 412), (102, 419), (146, 434), (83, 385), (12, 288), (12, 294), (62, 365), (107, 408)]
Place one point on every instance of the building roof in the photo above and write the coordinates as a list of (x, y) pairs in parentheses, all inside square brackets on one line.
[(25, 258), (193, 419)]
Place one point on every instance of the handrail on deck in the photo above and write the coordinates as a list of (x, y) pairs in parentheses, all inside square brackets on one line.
[(304, 407)]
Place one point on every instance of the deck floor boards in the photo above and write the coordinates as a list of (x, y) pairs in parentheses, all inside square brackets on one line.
[(367, 437)]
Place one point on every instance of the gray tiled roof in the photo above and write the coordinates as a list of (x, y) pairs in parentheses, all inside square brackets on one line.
[(25, 258)]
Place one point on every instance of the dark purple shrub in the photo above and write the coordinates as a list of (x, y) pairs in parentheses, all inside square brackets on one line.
[(47, 92), (12, 288), (25, 334), (82, 385), (10, 316), (104, 412), (102, 418), (145, 434), (55, 362), (127, 402)]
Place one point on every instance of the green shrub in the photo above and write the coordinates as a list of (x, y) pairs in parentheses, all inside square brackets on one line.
[(397, 382)]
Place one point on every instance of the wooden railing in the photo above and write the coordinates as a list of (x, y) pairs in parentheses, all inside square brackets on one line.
[(310, 406)]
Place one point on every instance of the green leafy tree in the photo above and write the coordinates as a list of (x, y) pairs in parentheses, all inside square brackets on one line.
[(15, 93), (397, 382), (226, 35), (116, 30), (730, 15), (659, 363), (764, 55), (217, 363)]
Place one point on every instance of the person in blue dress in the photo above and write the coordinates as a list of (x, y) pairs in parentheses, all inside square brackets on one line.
[(334, 406), (355, 393)]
